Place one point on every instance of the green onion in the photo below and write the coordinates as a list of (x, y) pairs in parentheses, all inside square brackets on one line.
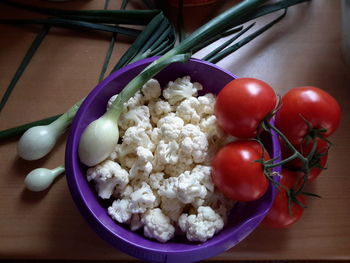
[(132, 17), (270, 8), (227, 43), (63, 22), (220, 55), (111, 44), (30, 53), (38, 141)]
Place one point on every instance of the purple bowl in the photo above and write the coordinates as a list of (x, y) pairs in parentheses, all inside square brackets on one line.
[(244, 217)]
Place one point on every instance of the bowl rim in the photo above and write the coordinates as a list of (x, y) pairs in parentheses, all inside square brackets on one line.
[(104, 231)]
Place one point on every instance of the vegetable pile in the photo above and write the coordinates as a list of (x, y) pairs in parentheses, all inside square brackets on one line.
[(304, 119)]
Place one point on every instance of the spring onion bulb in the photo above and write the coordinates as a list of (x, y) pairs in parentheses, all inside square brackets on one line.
[(38, 141), (41, 178)]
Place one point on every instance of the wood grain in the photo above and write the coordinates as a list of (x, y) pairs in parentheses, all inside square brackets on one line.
[(303, 49)]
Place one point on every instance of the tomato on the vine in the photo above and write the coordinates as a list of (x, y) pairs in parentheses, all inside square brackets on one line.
[(241, 106), (310, 104), (317, 162), (279, 215), (236, 172)]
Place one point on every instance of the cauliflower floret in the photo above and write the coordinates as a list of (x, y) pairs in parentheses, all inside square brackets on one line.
[(203, 174), (138, 116), (166, 153), (134, 137), (157, 225), (108, 176), (119, 210), (142, 199), (168, 187), (206, 104), (170, 127), (194, 145), (172, 208), (186, 188), (155, 180), (151, 90), (189, 188), (187, 110), (142, 167), (180, 89), (133, 102), (158, 109), (202, 226)]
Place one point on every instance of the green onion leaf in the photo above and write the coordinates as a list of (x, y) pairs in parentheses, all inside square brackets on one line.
[(30, 53), (231, 49), (226, 43), (134, 17), (68, 23)]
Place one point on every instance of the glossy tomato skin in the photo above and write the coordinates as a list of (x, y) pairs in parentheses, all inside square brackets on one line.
[(279, 216), (319, 160), (235, 172), (242, 104), (315, 105)]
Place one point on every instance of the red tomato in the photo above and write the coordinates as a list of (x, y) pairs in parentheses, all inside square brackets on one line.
[(236, 173), (313, 104), (279, 215), (319, 160), (241, 106)]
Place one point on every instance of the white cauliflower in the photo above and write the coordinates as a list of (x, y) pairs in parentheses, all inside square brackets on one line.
[(206, 105), (142, 198), (170, 127), (168, 187), (119, 210), (155, 180), (159, 109), (151, 90), (187, 110), (166, 153), (180, 89), (189, 188), (186, 188), (157, 225), (138, 116), (194, 145), (142, 167), (134, 137), (108, 177), (202, 226), (203, 174), (136, 100)]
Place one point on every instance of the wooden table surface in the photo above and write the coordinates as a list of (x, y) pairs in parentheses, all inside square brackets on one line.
[(303, 49)]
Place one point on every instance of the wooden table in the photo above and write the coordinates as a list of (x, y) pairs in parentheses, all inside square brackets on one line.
[(303, 49)]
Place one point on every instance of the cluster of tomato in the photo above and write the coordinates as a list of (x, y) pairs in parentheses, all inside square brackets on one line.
[(303, 118)]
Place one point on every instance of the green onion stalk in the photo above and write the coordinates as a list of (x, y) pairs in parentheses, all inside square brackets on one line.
[(101, 136)]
